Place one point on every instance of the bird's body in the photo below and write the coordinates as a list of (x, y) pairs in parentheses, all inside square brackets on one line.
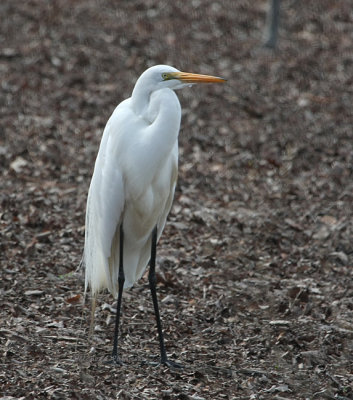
[(133, 183)]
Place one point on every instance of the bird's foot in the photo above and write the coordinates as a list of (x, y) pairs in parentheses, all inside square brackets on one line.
[(115, 360), (171, 364)]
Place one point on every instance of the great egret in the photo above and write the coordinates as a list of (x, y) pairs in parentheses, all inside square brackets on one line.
[(132, 188)]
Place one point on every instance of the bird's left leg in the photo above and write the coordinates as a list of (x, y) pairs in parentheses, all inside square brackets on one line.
[(152, 281), (121, 280)]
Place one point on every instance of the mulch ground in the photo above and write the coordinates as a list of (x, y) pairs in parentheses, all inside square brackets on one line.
[(255, 263)]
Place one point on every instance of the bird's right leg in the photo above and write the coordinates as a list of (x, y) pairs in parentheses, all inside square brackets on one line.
[(121, 280), (152, 281)]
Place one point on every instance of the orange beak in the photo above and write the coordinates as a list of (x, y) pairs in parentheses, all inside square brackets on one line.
[(188, 77)]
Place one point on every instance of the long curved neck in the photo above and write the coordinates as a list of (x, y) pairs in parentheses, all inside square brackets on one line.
[(159, 108), (140, 97), (162, 114)]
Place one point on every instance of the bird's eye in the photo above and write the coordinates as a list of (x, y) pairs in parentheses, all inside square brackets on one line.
[(165, 76)]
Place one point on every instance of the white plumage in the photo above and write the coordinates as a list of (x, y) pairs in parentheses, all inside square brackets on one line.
[(132, 188), (133, 182)]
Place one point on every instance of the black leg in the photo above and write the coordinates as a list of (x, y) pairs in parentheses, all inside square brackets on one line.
[(121, 280), (152, 281)]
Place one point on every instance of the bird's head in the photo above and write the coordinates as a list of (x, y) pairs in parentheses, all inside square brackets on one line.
[(165, 76)]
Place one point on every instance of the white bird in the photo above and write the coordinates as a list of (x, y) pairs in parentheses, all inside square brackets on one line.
[(132, 188)]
